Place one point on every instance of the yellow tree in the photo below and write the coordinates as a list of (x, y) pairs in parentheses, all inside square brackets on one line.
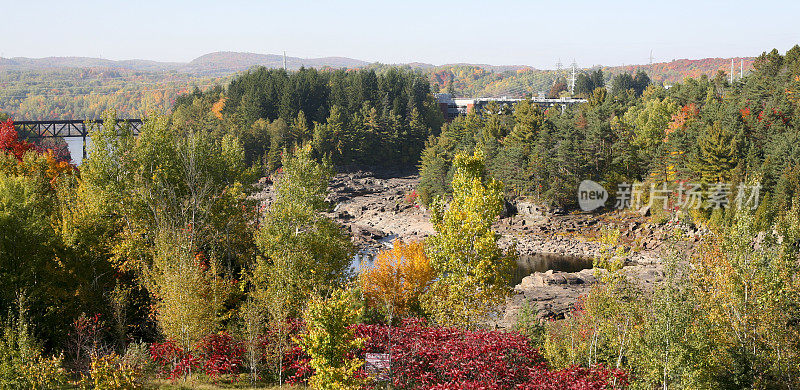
[(398, 278), (749, 290), (473, 272)]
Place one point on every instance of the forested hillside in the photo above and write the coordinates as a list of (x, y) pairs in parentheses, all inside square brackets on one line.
[(705, 130), (353, 117), (515, 81), (79, 93), (77, 87)]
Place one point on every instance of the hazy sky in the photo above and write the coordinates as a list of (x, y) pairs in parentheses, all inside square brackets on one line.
[(535, 33)]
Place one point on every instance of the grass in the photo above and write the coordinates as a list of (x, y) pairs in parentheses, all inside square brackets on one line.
[(202, 384)]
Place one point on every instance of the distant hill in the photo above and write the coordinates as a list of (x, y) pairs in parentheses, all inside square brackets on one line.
[(225, 62), (676, 71), (212, 64), (26, 64)]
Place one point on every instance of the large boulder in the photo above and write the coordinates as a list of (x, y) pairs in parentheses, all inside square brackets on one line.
[(530, 212)]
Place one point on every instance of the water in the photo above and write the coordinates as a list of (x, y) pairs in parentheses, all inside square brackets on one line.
[(526, 264), (366, 256), (75, 146), (542, 262)]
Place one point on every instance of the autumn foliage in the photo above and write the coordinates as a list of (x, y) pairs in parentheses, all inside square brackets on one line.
[(398, 278), (10, 143), (430, 357), (216, 354)]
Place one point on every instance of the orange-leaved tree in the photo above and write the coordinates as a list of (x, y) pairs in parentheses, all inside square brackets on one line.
[(53, 165), (398, 278), (10, 143)]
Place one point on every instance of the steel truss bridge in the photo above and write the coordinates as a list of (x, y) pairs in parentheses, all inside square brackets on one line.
[(36, 130)]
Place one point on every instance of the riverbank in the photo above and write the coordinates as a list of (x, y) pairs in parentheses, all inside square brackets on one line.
[(377, 208)]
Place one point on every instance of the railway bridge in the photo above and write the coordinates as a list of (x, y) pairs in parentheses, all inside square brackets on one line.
[(74, 131)]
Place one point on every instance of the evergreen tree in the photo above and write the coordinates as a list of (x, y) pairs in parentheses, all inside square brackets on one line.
[(716, 156), (584, 85), (528, 120), (301, 131)]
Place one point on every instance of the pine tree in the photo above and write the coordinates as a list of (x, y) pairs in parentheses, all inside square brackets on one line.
[(528, 121), (716, 155), (301, 131), (418, 134), (279, 140)]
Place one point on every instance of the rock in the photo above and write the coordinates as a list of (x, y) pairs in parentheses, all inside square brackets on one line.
[(553, 294), (367, 232), (529, 212)]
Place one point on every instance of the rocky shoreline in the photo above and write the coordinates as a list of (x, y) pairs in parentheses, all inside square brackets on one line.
[(378, 208)]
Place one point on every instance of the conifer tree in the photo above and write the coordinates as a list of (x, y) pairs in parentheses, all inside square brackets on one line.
[(716, 155), (301, 131)]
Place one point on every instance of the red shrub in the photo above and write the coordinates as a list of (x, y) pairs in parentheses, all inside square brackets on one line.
[(173, 361), (425, 357), (411, 197), (295, 365), (576, 378), (10, 143), (469, 385), (220, 354)]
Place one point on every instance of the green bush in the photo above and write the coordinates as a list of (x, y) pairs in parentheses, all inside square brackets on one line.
[(22, 367), (112, 372), (328, 341), (44, 373)]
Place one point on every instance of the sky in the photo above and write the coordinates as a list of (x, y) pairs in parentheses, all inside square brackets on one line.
[(536, 33)]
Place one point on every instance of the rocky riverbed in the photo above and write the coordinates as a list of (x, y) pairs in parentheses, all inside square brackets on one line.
[(377, 208)]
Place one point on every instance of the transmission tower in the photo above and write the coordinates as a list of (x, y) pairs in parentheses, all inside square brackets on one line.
[(572, 81)]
